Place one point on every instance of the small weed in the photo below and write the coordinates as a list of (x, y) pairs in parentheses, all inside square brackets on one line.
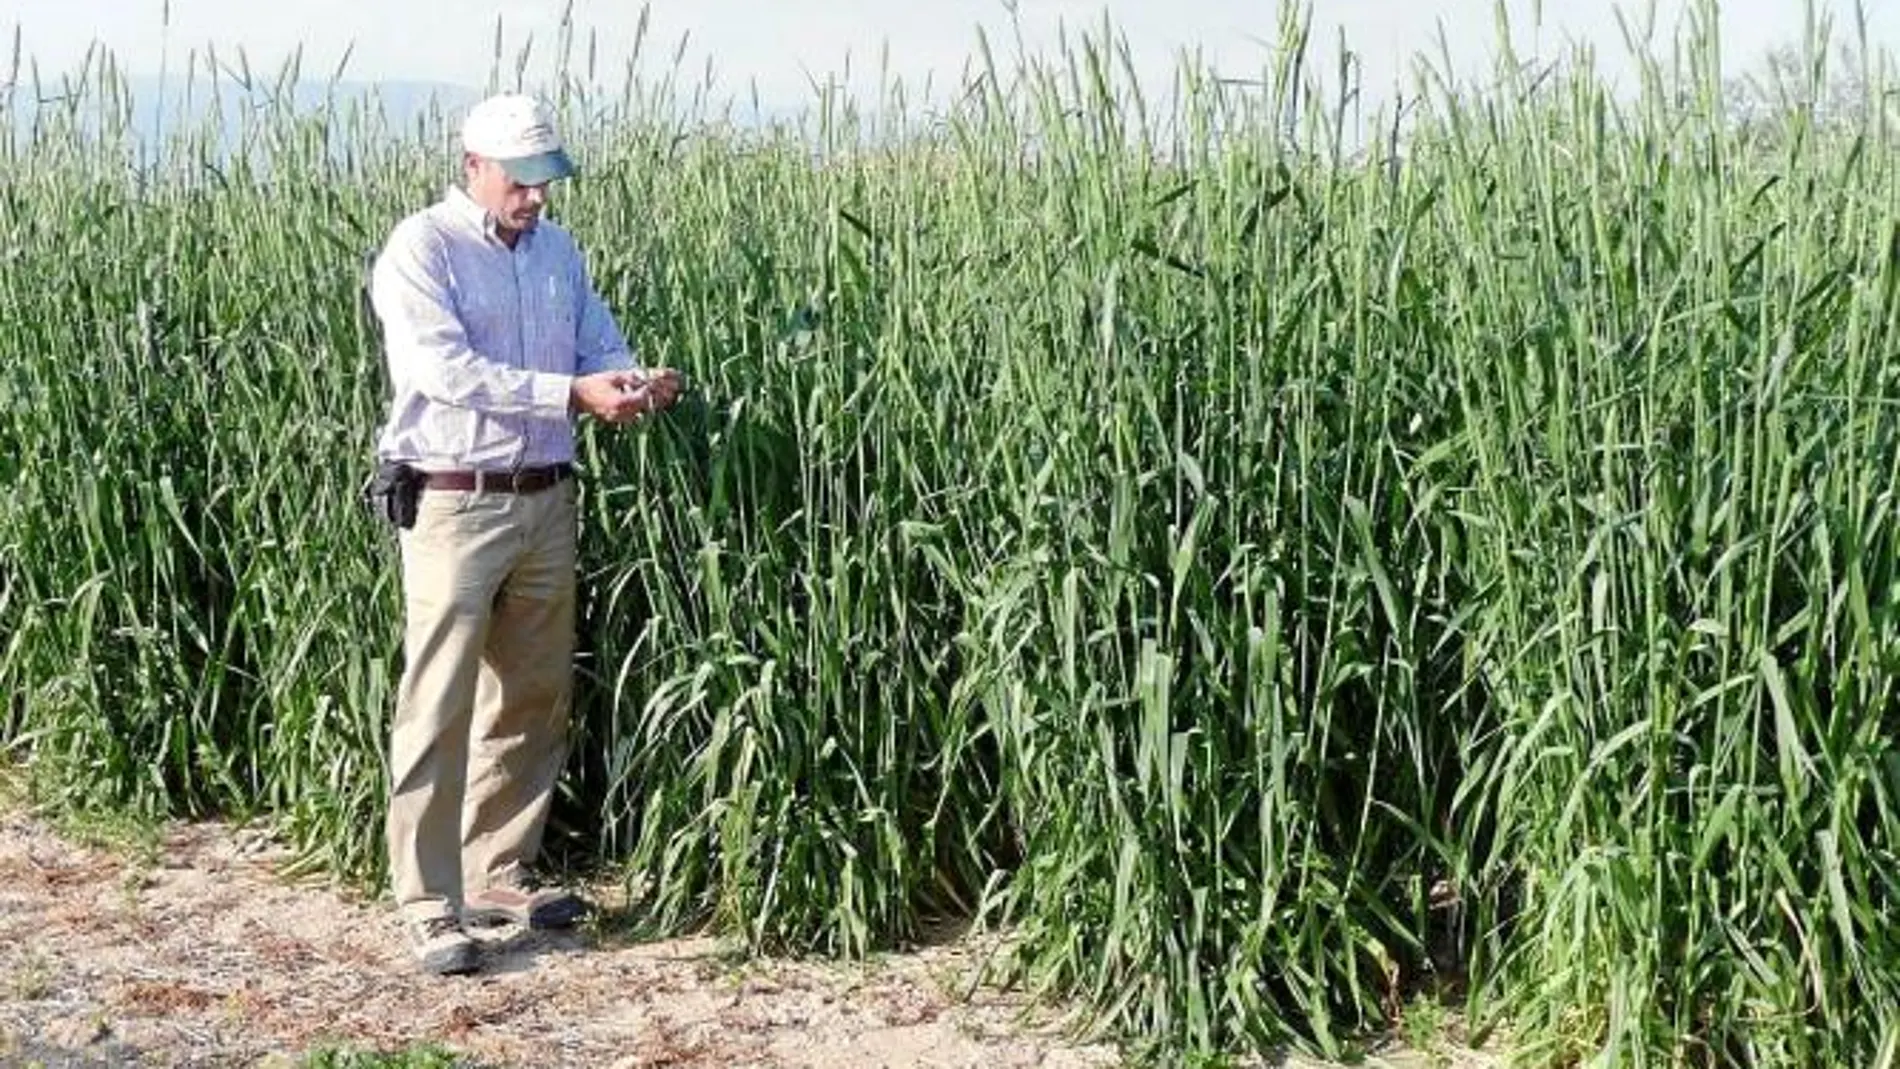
[(117, 831), (32, 979), (12, 784), (135, 880), (426, 1056), (1423, 1028)]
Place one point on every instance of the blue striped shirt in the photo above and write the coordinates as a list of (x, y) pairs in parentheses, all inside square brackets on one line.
[(484, 341)]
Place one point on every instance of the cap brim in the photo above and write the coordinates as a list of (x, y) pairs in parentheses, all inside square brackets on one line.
[(539, 169)]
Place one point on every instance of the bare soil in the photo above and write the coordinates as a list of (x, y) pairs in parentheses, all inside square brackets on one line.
[(197, 953)]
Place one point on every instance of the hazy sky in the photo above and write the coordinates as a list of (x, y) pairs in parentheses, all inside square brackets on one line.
[(779, 44)]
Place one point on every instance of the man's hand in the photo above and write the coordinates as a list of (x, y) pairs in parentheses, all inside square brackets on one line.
[(610, 395), (624, 396), (663, 386)]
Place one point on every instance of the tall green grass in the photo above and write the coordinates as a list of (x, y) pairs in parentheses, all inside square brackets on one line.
[(1274, 574)]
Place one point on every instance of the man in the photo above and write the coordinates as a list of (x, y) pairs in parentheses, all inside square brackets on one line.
[(496, 339)]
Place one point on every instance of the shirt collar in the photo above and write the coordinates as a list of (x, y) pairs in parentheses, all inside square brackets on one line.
[(475, 215)]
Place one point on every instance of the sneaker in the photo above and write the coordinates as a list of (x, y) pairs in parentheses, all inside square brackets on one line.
[(442, 947), (515, 903)]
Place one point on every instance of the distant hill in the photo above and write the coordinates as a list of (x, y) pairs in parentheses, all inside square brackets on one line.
[(159, 106), (404, 103), (407, 105)]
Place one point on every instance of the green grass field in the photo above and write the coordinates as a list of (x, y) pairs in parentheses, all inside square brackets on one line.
[(1276, 576)]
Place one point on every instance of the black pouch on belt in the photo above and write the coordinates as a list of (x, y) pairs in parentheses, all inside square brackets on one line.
[(391, 494)]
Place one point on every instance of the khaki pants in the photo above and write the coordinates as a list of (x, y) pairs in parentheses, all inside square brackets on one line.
[(480, 733)]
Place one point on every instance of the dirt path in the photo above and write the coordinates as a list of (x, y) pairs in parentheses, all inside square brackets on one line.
[(199, 955), (193, 952)]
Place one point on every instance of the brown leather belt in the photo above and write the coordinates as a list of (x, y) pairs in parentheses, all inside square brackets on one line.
[(521, 481)]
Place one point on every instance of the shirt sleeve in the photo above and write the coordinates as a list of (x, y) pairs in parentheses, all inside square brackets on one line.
[(599, 344), (429, 351)]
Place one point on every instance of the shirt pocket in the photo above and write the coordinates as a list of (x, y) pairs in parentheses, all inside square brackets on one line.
[(486, 303), (557, 306)]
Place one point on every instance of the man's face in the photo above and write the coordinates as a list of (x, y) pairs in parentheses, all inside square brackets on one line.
[(515, 207)]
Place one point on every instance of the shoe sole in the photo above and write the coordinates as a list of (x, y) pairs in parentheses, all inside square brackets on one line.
[(459, 961), (555, 916)]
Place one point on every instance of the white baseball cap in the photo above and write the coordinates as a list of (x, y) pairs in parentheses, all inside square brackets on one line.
[(517, 132)]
